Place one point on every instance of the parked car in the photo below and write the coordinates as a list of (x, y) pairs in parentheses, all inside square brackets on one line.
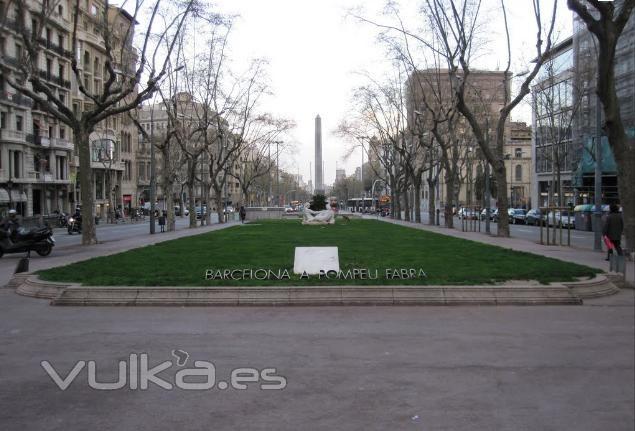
[(467, 213), (201, 212), (567, 219), (561, 218), (492, 211), (534, 216), (516, 215), (177, 211), (494, 215)]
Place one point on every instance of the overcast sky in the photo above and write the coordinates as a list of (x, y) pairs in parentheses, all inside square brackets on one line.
[(316, 52)]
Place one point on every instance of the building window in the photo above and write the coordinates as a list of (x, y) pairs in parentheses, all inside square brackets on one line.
[(519, 173), (61, 171), (3, 120), (519, 153), (99, 185), (15, 160), (19, 123), (62, 132)]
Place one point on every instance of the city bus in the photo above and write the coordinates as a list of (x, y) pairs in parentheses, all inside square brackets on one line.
[(362, 205)]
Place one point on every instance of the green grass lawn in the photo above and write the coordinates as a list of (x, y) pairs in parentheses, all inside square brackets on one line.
[(270, 244)]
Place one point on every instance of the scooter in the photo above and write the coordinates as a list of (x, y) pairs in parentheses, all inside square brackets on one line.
[(39, 239), (62, 220), (74, 225)]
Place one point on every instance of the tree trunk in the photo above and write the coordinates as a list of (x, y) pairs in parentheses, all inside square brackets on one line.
[(218, 192), (406, 204), (208, 213), (397, 214), (503, 204), (167, 190), (449, 197), (191, 203), (432, 201), (625, 181), (418, 201), (81, 140)]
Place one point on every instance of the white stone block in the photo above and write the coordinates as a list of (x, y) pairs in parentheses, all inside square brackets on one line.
[(312, 260)]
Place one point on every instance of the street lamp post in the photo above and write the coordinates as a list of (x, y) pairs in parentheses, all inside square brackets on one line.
[(488, 199), (152, 172), (277, 172)]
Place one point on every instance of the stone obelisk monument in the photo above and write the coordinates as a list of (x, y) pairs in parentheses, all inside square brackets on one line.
[(319, 184)]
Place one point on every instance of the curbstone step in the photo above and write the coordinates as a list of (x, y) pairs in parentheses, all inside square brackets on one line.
[(555, 294)]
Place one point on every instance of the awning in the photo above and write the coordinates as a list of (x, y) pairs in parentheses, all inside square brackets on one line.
[(586, 166), (16, 196), (127, 198)]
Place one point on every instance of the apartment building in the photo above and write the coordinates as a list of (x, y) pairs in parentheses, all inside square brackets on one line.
[(155, 121), (35, 148), (486, 96), (38, 162)]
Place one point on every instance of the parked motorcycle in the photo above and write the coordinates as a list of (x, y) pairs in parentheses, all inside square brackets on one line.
[(39, 239), (62, 220), (74, 225)]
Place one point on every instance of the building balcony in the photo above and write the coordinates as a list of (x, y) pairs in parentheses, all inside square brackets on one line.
[(55, 48), (12, 136), (16, 99), (62, 144), (57, 80), (60, 20), (42, 141), (107, 165)]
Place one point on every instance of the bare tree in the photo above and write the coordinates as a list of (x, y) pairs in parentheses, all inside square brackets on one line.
[(456, 23), (260, 133), (606, 21), (379, 120), (122, 88)]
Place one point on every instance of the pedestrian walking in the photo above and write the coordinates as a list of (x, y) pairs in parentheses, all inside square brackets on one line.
[(162, 221), (613, 228), (243, 214)]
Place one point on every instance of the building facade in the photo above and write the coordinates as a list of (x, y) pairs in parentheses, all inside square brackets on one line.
[(485, 94), (38, 162), (35, 148), (553, 110), (567, 119), (518, 163), (588, 118)]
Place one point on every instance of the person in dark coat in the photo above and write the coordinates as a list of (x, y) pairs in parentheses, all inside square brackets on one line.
[(243, 213), (613, 228), (162, 218)]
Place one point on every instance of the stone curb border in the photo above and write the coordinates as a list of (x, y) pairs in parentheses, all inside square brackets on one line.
[(553, 294)]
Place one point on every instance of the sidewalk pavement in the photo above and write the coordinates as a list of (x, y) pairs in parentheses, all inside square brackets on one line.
[(577, 255), (77, 253)]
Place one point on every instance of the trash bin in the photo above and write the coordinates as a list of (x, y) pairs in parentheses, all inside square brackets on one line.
[(583, 217)]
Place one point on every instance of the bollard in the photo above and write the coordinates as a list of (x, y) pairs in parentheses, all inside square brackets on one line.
[(617, 263), (23, 264), (438, 211)]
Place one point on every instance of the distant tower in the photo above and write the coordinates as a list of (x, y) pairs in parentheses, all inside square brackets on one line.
[(319, 183)]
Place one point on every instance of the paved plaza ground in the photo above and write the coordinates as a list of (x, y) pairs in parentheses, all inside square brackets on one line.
[(383, 368), (426, 368)]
